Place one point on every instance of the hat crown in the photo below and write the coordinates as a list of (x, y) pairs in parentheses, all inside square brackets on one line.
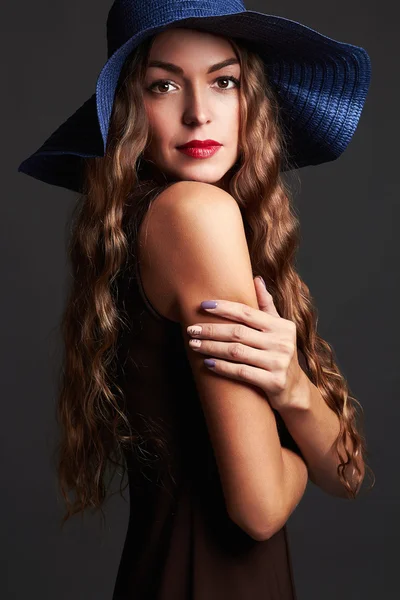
[(128, 17)]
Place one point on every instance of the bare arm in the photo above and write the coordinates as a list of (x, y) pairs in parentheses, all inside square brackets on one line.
[(315, 426), (196, 235)]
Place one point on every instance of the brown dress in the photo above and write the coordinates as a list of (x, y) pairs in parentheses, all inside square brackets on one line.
[(181, 543)]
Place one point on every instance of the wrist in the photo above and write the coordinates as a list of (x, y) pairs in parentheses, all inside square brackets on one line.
[(300, 395)]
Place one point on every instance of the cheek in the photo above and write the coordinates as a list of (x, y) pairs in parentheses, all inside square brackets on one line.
[(228, 112), (159, 124), (229, 123)]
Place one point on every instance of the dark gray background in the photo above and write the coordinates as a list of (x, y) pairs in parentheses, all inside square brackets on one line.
[(52, 53)]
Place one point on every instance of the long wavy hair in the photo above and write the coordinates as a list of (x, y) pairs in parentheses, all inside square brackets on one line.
[(94, 427)]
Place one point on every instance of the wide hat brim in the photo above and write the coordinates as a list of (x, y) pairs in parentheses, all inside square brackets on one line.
[(321, 85)]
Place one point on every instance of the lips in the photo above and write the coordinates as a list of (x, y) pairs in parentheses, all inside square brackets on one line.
[(203, 152), (200, 144)]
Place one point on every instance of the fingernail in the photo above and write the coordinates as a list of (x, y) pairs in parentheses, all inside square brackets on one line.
[(194, 330), (259, 277), (209, 362), (209, 304)]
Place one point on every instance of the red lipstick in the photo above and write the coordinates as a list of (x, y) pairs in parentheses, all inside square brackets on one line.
[(199, 144), (200, 148)]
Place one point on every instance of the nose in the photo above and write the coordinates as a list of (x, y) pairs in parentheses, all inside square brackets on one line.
[(196, 108)]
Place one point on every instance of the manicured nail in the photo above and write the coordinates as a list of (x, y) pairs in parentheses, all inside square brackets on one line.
[(194, 330), (195, 343), (209, 304), (210, 362)]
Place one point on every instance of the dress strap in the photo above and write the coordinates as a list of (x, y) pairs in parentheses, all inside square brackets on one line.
[(146, 301)]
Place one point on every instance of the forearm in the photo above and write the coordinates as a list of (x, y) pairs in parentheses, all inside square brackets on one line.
[(293, 480), (294, 483), (250, 460), (315, 426)]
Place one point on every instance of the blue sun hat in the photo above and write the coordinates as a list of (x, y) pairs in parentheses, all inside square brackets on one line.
[(321, 84)]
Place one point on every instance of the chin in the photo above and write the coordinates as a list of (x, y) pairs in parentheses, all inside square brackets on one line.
[(202, 173)]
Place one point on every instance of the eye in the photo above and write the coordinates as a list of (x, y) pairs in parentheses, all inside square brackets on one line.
[(159, 82), (229, 78), (167, 82)]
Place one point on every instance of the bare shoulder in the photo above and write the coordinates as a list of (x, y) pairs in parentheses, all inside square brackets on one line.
[(187, 207), (184, 195), (178, 198), (183, 221)]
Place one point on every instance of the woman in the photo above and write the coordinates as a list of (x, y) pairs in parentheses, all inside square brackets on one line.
[(219, 399)]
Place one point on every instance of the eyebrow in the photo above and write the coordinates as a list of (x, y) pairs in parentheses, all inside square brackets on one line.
[(179, 71)]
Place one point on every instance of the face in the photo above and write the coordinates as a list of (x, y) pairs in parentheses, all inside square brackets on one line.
[(192, 99)]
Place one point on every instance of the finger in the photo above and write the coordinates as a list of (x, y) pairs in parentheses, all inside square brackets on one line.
[(238, 311), (264, 298), (231, 332), (246, 373), (236, 352)]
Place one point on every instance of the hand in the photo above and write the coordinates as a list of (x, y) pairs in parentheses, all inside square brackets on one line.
[(263, 350)]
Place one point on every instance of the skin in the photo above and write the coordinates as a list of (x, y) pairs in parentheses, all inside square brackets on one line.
[(194, 105)]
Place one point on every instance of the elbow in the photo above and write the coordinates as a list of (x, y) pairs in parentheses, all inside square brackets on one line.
[(258, 529), (334, 486), (262, 535), (267, 533)]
